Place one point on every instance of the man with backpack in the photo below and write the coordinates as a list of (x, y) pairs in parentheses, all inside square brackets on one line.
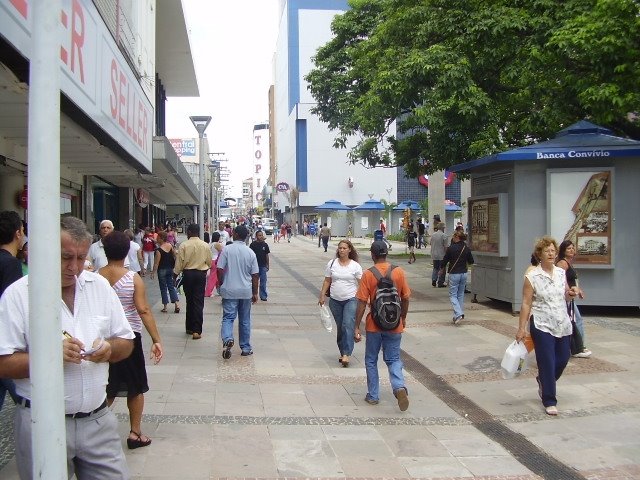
[(384, 287)]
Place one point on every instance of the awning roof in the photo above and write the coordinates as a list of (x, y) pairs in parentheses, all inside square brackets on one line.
[(371, 205), (332, 205), (580, 141), (407, 204)]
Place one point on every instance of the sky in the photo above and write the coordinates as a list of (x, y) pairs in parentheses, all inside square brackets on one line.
[(233, 44)]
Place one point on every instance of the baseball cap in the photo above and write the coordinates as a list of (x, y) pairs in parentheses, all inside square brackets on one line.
[(379, 248)]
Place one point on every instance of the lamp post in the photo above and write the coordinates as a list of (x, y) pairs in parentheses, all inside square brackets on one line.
[(389, 190), (201, 123)]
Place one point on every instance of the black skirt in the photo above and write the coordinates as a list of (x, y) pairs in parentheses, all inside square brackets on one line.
[(128, 377)]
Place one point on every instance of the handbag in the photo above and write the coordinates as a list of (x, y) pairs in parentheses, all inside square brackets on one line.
[(451, 267), (577, 345), (328, 292)]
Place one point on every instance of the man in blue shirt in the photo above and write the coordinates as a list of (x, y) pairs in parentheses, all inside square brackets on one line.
[(238, 277)]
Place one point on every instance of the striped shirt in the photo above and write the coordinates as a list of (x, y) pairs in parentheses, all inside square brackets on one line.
[(124, 289)]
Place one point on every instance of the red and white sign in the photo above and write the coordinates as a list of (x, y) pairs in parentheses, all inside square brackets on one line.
[(95, 75)]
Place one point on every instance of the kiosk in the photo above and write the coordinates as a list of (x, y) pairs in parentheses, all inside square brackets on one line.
[(574, 186)]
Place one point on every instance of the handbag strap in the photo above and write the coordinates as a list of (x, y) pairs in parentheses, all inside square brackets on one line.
[(456, 262)]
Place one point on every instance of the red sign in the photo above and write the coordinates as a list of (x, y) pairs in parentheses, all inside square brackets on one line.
[(23, 198)]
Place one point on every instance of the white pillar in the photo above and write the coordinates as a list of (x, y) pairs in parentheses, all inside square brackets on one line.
[(48, 434), (436, 199)]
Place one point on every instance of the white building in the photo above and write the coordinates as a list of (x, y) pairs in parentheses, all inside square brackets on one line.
[(304, 154)]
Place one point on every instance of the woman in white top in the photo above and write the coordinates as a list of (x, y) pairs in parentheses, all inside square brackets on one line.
[(544, 298), (343, 275)]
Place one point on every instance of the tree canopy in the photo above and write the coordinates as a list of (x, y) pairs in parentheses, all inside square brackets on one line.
[(468, 78)]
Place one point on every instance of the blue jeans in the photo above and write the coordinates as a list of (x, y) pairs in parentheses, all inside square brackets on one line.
[(344, 313), (457, 284), (325, 243), (7, 386), (165, 281), (263, 282), (552, 356), (579, 323), (390, 344), (434, 273), (232, 307)]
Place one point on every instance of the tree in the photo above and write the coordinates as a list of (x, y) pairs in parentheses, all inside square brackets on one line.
[(468, 78)]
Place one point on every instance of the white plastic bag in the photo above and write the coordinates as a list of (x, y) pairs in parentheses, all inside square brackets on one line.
[(325, 318), (514, 360)]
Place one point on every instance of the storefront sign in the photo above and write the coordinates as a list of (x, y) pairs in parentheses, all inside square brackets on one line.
[(184, 147), (282, 187)]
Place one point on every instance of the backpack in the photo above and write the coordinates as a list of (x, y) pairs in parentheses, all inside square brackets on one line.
[(385, 308)]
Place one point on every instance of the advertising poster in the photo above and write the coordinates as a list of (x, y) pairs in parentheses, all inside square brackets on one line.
[(581, 212), (485, 224)]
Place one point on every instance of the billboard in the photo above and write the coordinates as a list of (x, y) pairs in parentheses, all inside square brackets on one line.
[(185, 147)]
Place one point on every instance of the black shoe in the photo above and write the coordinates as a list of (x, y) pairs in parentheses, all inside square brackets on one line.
[(263, 299), (247, 353), (226, 353), (441, 286), (433, 284)]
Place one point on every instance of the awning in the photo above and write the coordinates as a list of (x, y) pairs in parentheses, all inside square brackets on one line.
[(580, 141), (371, 205), (332, 205), (407, 204)]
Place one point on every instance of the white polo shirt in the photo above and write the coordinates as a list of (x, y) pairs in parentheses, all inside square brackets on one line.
[(97, 313)]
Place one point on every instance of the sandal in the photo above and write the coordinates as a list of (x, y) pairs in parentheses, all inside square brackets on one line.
[(134, 443), (176, 310), (164, 310)]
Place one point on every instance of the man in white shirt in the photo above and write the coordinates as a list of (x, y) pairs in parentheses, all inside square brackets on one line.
[(224, 235), (96, 252), (92, 320)]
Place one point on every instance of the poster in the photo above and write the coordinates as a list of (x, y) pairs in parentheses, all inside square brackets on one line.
[(488, 224), (581, 212)]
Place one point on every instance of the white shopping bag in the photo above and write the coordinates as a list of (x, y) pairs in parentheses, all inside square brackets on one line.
[(325, 318), (514, 360)]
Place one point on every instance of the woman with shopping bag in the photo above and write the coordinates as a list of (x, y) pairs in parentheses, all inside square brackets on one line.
[(544, 296)]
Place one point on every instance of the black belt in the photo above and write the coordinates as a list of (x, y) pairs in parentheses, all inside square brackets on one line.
[(25, 402)]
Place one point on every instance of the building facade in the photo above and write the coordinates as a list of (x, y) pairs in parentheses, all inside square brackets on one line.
[(115, 76)]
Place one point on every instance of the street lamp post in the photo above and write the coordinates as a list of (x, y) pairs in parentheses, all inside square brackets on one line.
[(201, 123), (389, 190)]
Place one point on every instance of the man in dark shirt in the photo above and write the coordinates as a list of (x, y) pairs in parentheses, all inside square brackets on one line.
[(261, 249), (11, 240)]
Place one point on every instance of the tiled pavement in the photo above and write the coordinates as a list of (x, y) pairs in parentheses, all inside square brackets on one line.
[(291, 411)]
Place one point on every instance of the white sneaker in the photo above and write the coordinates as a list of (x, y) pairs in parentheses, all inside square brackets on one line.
[(583, 354)]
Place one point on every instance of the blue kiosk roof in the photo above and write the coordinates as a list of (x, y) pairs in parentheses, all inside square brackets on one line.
[(581, 140)]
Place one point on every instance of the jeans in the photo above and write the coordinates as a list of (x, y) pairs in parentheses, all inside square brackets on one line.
[(325, 243), (579, 322), (240, 307), (390, 344), (435, 277), (7, 386), (457, 284), (165, 281), (552, 356), (344, 313), (263, 282)]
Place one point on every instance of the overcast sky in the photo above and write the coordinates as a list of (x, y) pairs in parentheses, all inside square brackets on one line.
[(233, 43)]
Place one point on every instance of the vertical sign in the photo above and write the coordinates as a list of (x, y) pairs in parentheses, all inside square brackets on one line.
[(260, 161)]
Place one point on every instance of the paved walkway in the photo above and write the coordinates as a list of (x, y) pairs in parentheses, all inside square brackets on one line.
[(292, 411)]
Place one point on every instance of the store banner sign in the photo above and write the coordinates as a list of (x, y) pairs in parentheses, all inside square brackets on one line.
[(184, 147), (95, 74)]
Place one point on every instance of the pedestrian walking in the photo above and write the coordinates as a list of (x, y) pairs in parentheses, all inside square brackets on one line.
[(325, 235), (165, 261), (411, 244), (458, 256), (193, 260), (238, 276), (261, 249), (377, 339), (96, 252), (438, 249)]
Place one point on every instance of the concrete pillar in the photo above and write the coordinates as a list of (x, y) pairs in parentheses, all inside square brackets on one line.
[(436, 198), (465, 193)]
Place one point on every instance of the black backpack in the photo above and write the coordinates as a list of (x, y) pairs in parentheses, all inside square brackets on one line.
[(385, 308)]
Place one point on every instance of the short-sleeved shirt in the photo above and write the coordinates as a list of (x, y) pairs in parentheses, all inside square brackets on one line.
[(97, 313), (193, 254), (549, 308), (239, 263), (438, 245), (132, 257), (344, 279), (261, 249), (325, 232), (367, 292), (10, 269), (97, 256), (411, 239)]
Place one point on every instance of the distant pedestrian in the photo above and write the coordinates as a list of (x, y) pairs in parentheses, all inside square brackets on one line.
[(438, 248), (325, 235), (193, 260), (458, 256), (96, 252), (148, 251), (238, 275), (411, 244), (134, 256), (164, 262), (261, 249), (421, 232), (386, 340), (383, 229)]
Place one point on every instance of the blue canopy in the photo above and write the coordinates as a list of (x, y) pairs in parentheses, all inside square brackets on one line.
[(371, 205), (332, 205), (452, 208), (580, 141), (407, 204)]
